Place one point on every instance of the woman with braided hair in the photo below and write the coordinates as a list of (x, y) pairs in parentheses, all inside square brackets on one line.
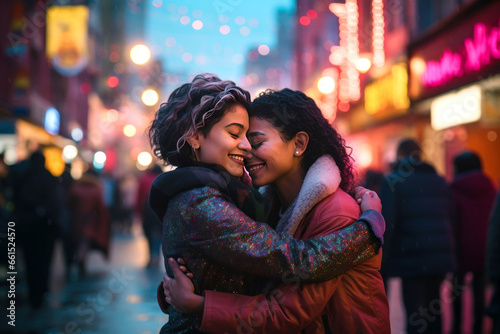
[(307, 172), (211, 214)]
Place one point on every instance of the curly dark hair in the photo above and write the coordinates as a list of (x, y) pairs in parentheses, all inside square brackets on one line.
[(194, 106), (292, 111)]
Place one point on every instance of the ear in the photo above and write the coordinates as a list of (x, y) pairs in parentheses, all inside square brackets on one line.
[(301, 141), (194, 140)]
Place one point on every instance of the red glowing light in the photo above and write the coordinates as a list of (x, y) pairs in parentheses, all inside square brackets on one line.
[(112, 82), (85, 88), (344, 106), (304, 20), (312, 14)]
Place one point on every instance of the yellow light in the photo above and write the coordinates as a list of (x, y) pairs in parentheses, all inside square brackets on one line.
[(326, 85), (129, 130), (417, 65), (144, 158), (363, 65), (150, 97), (140, 54)]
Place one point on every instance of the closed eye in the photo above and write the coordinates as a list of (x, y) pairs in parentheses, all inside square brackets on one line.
[(256, 145), (235, 136)]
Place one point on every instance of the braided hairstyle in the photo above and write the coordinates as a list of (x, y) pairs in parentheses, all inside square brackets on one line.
[(192, 107), (291, 112)]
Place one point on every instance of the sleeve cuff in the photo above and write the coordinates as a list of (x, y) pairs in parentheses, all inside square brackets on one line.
[(376, 222)]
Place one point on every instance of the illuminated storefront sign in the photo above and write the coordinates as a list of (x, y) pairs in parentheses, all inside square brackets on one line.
[(464, 52), (67, 45), (389, 93), (456, 108)]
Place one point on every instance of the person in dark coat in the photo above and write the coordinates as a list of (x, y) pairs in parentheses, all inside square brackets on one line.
[(36, 198), (151, 225), (493, 265), (418, 239), (473, 195)]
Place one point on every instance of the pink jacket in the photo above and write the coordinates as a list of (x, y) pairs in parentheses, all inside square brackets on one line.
[(355, 302)]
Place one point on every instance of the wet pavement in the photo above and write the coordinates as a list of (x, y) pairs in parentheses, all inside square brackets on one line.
[(119, 296)]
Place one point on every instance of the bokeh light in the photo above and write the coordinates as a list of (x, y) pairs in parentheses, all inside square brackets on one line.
[(183, 10), (129, 130), (240, 20), (150, 97), (363, 65), (85, 88), (185, 20), (69, 153), (263, 50), (312, 14), (197, 25), (253, 56), (187, 57), (140, 54), (144, 158), (305, 21), (326, 85), (112, 81), (77, 134), (225, 29), (245, 31)]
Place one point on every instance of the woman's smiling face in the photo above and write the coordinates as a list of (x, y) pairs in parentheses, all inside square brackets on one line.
[(273, 158), (226, 144)]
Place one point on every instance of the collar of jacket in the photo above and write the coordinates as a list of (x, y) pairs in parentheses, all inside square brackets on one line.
[(168, 185), (321, 180)]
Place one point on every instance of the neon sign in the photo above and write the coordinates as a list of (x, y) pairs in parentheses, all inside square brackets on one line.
[(478, 52)]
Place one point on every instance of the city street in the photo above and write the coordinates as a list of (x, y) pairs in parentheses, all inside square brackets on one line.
[(119, 297)]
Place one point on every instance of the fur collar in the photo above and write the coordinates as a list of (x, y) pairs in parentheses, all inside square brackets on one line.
[(322, 179)]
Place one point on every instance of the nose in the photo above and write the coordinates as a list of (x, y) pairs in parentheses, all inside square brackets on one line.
[(244, 144)]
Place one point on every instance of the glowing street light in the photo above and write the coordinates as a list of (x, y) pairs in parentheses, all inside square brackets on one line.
[(140, 54), (363, 65), (69, 153), (150, 97), (326, 85), (129, 130), (144, 158)]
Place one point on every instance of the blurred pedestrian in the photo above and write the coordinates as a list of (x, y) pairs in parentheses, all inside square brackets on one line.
[(36, 196), (418, 240), (150, 223), (124, 201), (372, 180), (493, 265), (473, 195), (66, 230), (90, 217)]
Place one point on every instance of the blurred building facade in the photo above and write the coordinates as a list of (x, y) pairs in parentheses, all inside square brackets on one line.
[(433, 74), (68, 80)]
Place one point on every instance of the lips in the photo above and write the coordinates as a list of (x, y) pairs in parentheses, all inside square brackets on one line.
[(255, 167)]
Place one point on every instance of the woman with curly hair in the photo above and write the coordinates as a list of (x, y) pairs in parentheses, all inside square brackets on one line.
[(210, 212), (309, 173)]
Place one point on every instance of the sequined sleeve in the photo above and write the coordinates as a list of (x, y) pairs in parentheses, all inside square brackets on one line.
[(218, 229)]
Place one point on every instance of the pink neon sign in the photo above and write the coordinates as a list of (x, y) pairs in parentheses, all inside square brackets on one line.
[(478, 52)]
